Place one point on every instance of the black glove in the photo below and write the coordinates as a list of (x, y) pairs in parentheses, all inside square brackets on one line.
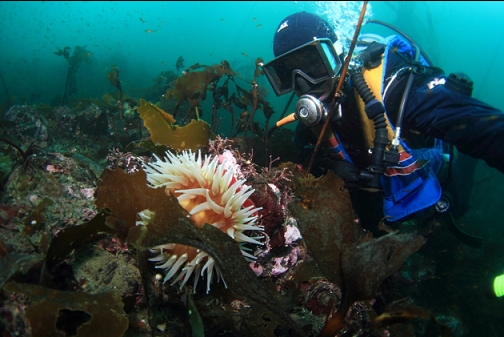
[(343, 169)]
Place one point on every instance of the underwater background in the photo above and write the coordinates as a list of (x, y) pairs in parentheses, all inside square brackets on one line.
[(144, 40)]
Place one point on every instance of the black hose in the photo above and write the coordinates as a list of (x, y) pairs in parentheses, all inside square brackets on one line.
[(407, 89), (362, 88), (405, 95), (376, 112)]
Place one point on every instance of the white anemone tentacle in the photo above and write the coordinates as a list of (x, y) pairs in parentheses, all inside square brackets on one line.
[(202, 183)]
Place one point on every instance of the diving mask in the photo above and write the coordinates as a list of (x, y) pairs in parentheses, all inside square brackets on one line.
[(315, 61)]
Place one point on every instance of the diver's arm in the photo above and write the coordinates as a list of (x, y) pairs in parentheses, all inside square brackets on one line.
[(474, 127), (305, 140)]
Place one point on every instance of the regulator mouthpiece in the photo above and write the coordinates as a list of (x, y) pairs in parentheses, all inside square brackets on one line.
[(310, 110)]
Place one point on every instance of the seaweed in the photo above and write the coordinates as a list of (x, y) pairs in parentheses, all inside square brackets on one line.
[(163, 131), (71, 238), (197, 79), (402, 311), (10, 264), (29, 156), (113, 78), (180, 63), (126, 195), (79, 55), (65, 313), (192, 85), (54, 312), (18, 148), (356, 262), (256, 100)]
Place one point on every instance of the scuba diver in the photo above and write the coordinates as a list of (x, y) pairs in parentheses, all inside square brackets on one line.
[(385, 120)]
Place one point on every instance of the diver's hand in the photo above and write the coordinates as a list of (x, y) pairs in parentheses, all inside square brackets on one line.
[(343, 169)]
